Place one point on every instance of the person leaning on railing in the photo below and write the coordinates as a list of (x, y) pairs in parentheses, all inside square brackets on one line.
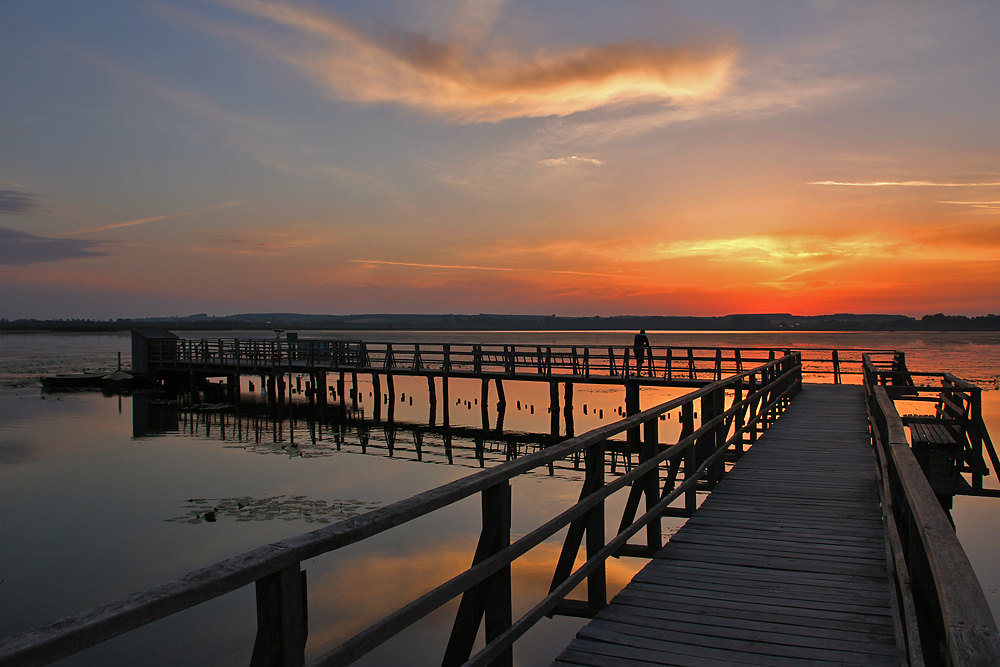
[(641, 348)]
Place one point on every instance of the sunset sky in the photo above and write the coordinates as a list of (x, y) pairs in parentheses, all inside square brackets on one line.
[(491, 156)]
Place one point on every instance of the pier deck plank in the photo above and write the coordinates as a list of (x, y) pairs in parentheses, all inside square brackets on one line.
[(784, 563)]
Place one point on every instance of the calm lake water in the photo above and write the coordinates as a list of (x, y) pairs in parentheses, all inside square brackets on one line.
[(101, 495)]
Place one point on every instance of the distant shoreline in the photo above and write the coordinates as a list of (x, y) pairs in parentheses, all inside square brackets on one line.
[(491, 322)]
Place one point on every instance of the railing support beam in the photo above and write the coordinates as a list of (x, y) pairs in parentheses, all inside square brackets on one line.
[(282, 619)]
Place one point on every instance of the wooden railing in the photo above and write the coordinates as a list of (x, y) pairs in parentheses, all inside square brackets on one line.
[(732, 411), (950, 441), (846, 365), (943, 613), (671, 364), (587, 362)]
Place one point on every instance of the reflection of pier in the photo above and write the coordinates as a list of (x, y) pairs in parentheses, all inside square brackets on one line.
[(311, 430)]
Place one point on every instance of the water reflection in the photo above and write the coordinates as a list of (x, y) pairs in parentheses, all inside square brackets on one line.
[(310, 430)]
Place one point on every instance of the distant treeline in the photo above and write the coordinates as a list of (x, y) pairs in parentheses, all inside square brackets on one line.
[(488, 322)]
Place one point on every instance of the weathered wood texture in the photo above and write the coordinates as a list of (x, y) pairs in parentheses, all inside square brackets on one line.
[(783, 564)]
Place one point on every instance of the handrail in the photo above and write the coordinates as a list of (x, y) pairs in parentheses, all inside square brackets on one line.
[(674, 364), (596, 362), (946, 619), (758, 394), (957, 406)]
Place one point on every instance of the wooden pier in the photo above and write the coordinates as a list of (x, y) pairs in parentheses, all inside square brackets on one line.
[(824, 540), (783, 564)]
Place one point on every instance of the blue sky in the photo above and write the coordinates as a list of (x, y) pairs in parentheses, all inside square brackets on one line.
[(485, 156)]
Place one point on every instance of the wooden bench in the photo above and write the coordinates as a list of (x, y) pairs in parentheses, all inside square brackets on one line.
[(931, 431), (942, 450)]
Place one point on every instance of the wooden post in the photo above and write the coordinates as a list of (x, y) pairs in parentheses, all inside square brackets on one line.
[(597, 581), (390, 438), (272, 391), (739, 419), (706, 443), (491, 598), (647, 486), (720, 431), (690, 456), (377, 396), (976, 440), (836, 367), (568, 409), (340, 389), (631, 408), (484, 402), (321, 388), (554, 408), (418, 443), (446, 402), (501, 397), (650, 484), (501, 404), (282, 619), (391, 386), (432, 399)]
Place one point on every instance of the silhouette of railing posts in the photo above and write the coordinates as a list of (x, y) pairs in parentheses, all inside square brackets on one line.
[(943, 617)]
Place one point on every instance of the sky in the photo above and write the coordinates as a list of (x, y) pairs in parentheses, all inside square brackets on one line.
[(650, 157)]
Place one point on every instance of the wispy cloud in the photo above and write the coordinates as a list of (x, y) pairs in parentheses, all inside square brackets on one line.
[(155, 218), (13, 202), (904, 184), (17, 247), (572, 159), (504, 172), (975, 204), (463, 267), (470, 83), (780, 249)]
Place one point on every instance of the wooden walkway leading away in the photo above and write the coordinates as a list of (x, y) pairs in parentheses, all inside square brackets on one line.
[(784, 563)]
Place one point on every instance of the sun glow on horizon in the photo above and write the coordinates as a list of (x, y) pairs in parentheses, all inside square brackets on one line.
[(469, 155)]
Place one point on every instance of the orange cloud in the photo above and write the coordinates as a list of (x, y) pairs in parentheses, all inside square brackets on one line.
[(460, 267), (572, 159), (903, 184), (454, 80), (975, 204)]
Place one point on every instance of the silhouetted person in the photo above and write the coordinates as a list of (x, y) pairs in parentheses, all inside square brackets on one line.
[(641, 348)]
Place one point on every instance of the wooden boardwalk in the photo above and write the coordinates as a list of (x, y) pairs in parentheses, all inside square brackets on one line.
[(783, 564)]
